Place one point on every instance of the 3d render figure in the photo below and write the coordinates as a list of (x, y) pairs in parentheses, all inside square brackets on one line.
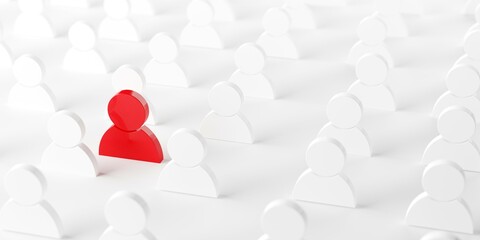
[(438, 236), (128, 77), (163, 68), (324, 181), (32, 23), (276, 40), (83, 57), (67, 154), (5, 52), (441, 205), (371, 87), (225, 122), (127, 214), (345, 112), (372, 32), (118, 25), (456, 127), (200, 32), (389, 12), (30, 91), (283, 220), (27, 212), (463, 83), (250, 61), (301, 14), (128, 138), (472, 51), (187, 173)]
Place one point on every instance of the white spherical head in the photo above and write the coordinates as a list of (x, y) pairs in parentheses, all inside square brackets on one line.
[(225, 99), (187, 139), (443, 180), (326, 157), (284, 220), (31, 6), (117, 9), (128, 77), (372, 30), (471, 46), (276, 21), (82, 36), (127, 213), (456, 124), (200, 12), (25, 184), (463, 80), (163, 48), (66, 129), (344, 110), (28, 71), (372, 69), (250, 58)]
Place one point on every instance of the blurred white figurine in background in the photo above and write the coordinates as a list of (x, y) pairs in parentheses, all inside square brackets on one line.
[(127, 214), (225, 122), (276, 40), (283, 220), (163, 68), (187, 173), (27, 212), (118, 25), (372, 32), (83, 57), (32, 23), (200, 32), (324, 181), (67, 154), (441, 205), (389, 12), (250, 61), (30, 92), (223, 10), (301, 14)]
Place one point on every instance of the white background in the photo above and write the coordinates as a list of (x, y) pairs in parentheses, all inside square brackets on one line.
[(250, 176)]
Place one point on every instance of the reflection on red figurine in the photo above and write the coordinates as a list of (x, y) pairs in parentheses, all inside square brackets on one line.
[(128, 138)]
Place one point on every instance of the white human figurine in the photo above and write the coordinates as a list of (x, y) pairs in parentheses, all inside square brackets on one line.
[(438, 236), (30, 92), (250, 61), (472, 50), (75, 3), (463, 84), (372, 32), (371, 88), (276, 40), (388, 11), (199, 32), (225, 122), (283, 220), (344, 112), (301, 14), (324, 181), (27, 212), (67, 154), (456, 127), (163, 68), (5, 52), (83, 57), (145, 7), (130, 78), (187, 173), (223, 10), (441, 205), (127, 215), (117, 25), (470, 6), (32, 23)]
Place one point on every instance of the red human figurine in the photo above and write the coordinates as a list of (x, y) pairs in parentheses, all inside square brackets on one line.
[(128, 138)]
